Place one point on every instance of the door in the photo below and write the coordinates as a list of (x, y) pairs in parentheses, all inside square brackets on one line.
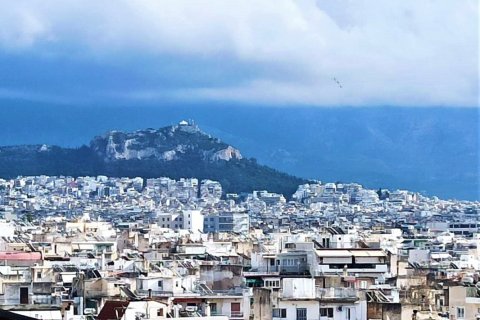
[(23, 295), (235, 310), (301, 314)]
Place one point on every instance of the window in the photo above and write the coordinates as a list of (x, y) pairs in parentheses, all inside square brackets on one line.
[(301, 314), (279, 313), (363, 284), (213, 308), (460, 312), (160, 313), (39, 274), (160, 283), (176, 284), (349, 313), (272, 283), (291, 262), (326, 312)]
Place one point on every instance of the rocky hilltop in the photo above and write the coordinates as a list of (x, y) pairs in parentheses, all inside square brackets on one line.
[(181, 150), (165, 144)]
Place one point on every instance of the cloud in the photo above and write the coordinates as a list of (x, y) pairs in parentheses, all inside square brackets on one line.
[(402, 52), (14, 94)]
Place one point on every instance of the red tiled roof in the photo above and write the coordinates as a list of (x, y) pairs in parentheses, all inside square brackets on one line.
[(113, 310)]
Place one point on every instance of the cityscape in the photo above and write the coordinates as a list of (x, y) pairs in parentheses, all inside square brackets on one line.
[(239, 160), (133, 248)]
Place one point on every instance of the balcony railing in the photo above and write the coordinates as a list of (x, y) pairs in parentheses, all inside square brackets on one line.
[(326, 269), (231, 315), (472, 292), (322, 294), (199, 292), (221, 293), (270, 270), (336, 293), (473, 295), (258, 272), (155, 293), (301, 269), (96, 293)]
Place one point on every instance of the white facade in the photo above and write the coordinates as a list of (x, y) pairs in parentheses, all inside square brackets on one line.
[(191, 220), (301, 299)]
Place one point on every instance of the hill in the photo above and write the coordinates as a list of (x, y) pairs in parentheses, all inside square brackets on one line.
[(177, 151)]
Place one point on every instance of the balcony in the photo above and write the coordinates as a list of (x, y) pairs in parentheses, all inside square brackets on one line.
[(299, 269), (328, 269), (155, 293), (336, 294), (262, 271), (472, 295), (232, 315), (97, 293), (195, 293), (322, 294), (237, 292), (21, 280)]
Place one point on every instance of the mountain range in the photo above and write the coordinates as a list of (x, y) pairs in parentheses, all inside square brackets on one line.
[(175, 151)]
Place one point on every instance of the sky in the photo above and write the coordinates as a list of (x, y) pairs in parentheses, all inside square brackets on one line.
[(278, 52)]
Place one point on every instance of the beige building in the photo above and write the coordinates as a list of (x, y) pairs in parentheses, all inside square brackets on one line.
[(464, 302)]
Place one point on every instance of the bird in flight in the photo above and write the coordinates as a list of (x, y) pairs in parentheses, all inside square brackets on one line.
[(337, 82)]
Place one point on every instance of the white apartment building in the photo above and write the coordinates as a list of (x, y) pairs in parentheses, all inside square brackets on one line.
[(191, 220)]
